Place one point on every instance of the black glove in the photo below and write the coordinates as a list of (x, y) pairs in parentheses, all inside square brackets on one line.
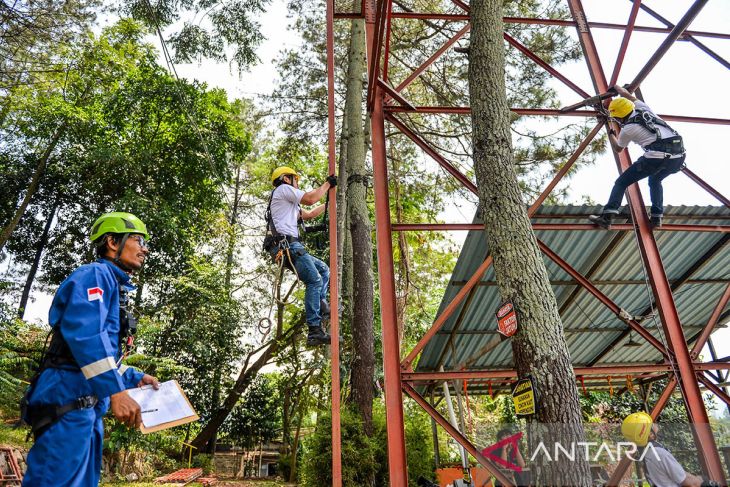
[(332, 179)]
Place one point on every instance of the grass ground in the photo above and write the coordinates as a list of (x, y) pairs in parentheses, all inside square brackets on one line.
[(13, 437)]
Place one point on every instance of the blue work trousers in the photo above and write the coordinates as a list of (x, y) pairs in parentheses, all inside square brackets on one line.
[(656, 170), (68, 453), (316, 277)]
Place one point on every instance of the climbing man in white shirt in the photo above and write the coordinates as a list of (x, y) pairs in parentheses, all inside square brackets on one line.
[(282, 218), (664, 154)]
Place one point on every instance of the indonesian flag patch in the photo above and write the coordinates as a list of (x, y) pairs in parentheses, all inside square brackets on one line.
[(95, 294)]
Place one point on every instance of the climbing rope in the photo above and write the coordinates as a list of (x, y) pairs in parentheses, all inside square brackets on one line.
[(265, 324), (647, 286)]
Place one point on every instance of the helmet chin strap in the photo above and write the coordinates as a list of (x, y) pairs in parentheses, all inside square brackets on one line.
[(117, 259)]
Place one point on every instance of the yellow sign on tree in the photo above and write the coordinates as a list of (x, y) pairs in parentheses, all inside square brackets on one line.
[(524, 397)]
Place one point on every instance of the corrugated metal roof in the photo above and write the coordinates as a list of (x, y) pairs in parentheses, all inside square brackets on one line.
[(611, 260)]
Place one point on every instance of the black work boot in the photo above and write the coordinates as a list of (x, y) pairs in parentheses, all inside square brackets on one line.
[(317, 336), (324, 308), (603, 220), (656, 221)]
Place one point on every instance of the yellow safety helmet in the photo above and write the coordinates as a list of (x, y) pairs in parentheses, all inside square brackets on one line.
[(636, 428), (620, 107), (283, 171)]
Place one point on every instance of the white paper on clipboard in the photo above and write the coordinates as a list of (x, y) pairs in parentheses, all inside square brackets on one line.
[(164, 405)]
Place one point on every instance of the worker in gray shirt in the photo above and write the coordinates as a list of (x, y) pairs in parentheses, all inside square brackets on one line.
[(660, 466)]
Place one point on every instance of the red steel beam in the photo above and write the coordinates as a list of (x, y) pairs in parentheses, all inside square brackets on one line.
[(391, 348), (334, 317), (714, 388), (433, 153), (455, 434), (374, 17), (618, 473), (651, 257), (392, 93), (543, 21), (688, 37), (446, 313), (710, 327), (625, 42), (564, 170), (540, 62), (718, 365), (588, 286), (548, 112), (386, 56), (512, 374), (676, 31), (719, 196), (624, 227), (428, 62), (397, 465)]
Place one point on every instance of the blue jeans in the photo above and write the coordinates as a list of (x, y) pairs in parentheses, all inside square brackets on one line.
[(656, 170), (316, 277)]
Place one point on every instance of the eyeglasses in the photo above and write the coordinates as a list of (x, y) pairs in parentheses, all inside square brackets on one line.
[(141, 241)]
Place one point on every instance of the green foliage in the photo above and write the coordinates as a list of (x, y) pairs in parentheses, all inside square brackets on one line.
[(21, 345), (363, 456), (230, 26), (197, 325), (257, 417), (358, 452)]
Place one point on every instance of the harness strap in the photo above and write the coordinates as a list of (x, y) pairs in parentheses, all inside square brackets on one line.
[(42, 417)]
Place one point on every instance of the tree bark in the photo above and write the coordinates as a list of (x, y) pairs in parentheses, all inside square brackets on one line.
[(363, 363), (42, 242), (32, 187), (539, 346)]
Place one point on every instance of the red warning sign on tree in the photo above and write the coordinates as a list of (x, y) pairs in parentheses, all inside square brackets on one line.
[(507, 319)]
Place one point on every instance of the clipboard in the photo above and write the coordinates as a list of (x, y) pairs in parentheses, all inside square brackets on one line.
[(164, 408)]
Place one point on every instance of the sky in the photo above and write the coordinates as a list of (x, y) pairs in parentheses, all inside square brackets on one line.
[(685, 82)]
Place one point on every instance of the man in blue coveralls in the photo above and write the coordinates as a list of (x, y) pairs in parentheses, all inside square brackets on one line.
[(81, 374)]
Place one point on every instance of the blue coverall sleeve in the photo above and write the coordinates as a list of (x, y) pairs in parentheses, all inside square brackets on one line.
[(87, 296), (130, 376)]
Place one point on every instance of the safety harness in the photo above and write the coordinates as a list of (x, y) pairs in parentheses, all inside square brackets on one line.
[(58, 356), (277, 244), (671, 145)]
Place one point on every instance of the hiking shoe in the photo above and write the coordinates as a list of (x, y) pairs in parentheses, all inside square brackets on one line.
[(324, 307), (603, 220), (656, 221), (317, 336)]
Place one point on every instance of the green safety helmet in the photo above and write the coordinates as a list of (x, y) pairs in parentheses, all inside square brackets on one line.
[(118, 222)]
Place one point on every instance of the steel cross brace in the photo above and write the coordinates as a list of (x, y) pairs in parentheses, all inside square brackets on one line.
[(687, 35), (588, 286), (621, 227), (456, 434), (648, 247)]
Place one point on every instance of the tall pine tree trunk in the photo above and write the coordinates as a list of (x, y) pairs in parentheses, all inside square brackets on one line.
[(539, 346), (42, 242), (358, 219)]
